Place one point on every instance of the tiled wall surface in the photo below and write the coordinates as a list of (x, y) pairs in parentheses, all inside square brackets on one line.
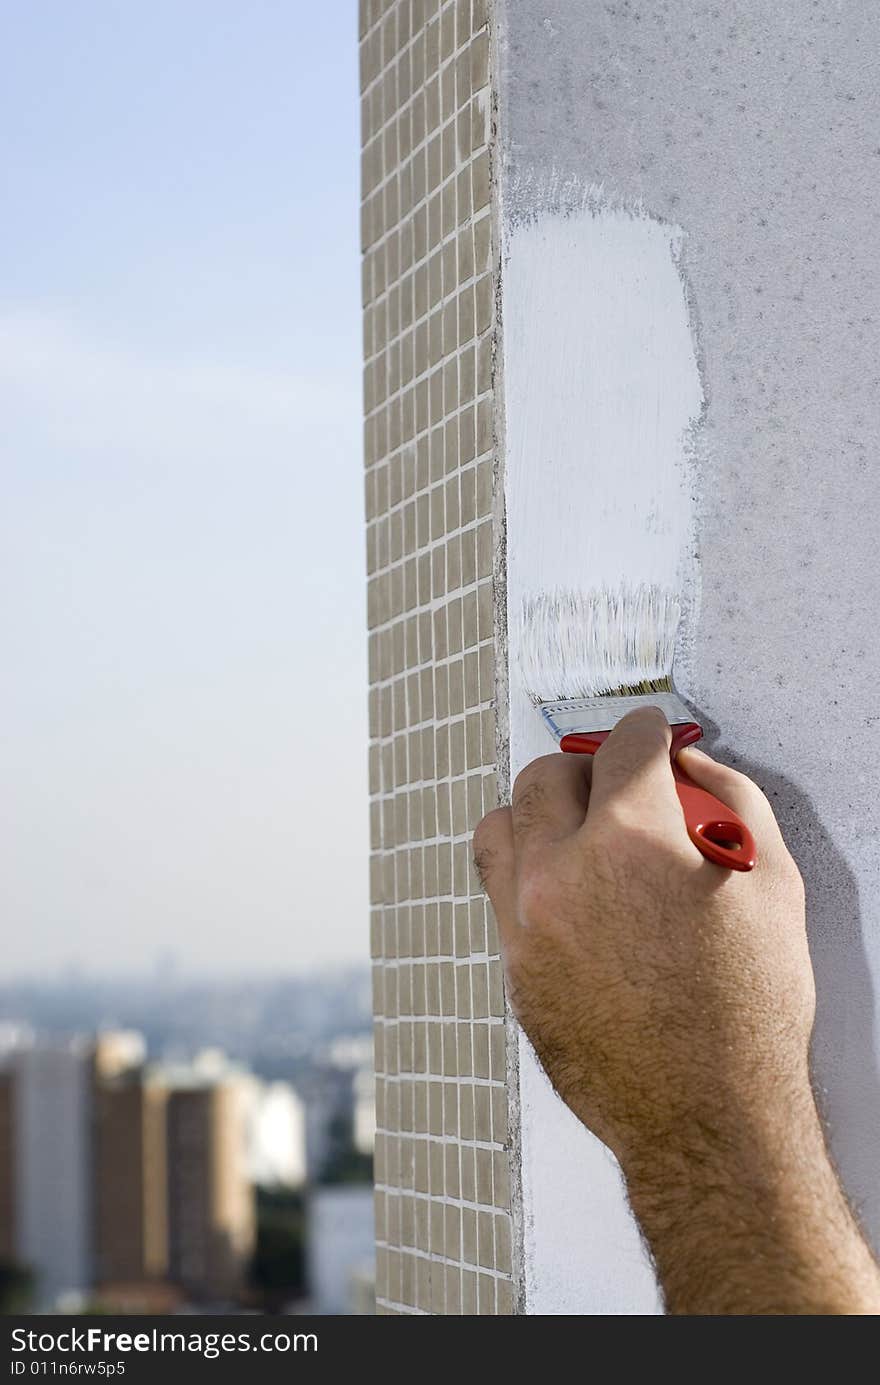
[(442, 1177)]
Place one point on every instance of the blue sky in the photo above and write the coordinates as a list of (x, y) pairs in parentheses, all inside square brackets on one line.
[(183, 707)]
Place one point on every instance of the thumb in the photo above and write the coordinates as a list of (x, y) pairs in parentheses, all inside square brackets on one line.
[(632, 770)]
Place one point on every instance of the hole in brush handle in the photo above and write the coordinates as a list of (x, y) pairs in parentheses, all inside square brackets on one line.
[(715, 829)]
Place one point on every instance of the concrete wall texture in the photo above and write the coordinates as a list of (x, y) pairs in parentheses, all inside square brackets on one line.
[(707, 176)]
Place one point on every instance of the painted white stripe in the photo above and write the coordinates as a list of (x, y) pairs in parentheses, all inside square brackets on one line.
[(602, 396)]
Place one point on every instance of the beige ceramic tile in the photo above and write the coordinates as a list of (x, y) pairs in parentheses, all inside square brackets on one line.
[(441, 1166)]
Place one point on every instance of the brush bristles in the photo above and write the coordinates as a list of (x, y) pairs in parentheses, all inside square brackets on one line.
[(575, 644)]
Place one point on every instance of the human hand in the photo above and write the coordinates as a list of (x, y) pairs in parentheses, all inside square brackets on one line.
[(657, 988), (671, 1004)]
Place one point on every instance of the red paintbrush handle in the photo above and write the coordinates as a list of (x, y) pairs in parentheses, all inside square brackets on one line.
[(714, 829)]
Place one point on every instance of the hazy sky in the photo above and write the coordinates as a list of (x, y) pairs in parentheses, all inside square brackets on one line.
[(183, 703)]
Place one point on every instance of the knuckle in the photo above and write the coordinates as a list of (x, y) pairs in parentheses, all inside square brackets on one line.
[(486, 828), (644, 716), (483, 858), (530, 801), (484, 843), (638, 731), (531, 779), (650, 719), (524, 783), (482, 862), (482, 865)]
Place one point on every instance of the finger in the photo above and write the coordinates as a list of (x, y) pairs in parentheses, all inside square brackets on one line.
[(495, 863), (549, 800), (632, 771), (734, 789)]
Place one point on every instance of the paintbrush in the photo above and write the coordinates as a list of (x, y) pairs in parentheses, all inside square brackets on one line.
[(588, 659)]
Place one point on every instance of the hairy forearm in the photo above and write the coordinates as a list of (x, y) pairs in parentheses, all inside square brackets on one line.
[(671, 1006), (748, 1218)]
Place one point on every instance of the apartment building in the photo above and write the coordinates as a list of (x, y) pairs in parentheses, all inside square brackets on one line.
[(211, 1213), (51, 1169), (131, 1181)]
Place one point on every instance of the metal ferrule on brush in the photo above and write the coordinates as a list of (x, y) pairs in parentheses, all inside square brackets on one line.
[(579, 715)]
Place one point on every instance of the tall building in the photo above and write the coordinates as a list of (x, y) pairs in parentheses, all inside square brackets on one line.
[(211, 1214), (52, 1111), (131, 1211)]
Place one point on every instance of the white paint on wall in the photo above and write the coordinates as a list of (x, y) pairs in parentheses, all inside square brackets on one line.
[(602, 393), (602, 397)]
